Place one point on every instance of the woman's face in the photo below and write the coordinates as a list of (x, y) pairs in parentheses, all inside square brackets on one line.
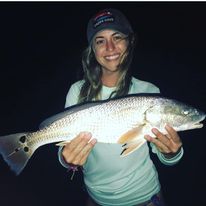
[(109, 47)]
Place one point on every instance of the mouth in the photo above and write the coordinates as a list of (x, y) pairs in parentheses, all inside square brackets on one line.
[(198, 124), (112, 57)]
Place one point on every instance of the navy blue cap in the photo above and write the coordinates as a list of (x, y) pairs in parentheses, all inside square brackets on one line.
[(108, 19)]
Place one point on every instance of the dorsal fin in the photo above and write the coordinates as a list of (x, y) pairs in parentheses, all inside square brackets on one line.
[(68, 111)]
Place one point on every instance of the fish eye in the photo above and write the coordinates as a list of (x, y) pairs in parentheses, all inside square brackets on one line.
[(186, 112)]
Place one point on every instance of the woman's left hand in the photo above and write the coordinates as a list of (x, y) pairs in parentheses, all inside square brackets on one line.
[(168, 144)]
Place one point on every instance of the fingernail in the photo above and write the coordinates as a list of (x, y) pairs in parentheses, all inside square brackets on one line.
[(94, 141), (86, 135), (168, 126), (154, 130), (147, 137)]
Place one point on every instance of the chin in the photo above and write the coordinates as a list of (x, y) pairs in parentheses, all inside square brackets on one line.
[(112, 68)]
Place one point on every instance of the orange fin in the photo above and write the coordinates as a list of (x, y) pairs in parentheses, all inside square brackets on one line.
[(131, 134), (131, 147)]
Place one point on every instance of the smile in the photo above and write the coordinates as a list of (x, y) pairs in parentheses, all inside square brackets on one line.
[(112, 57)]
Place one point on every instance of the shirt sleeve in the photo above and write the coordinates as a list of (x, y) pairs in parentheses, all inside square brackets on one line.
[(167, 161), (61, 159)]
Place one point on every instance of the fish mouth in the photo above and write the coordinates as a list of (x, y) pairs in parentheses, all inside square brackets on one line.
[(198, 124)]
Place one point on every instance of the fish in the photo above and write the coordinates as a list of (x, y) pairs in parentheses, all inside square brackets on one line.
[(124, 120)]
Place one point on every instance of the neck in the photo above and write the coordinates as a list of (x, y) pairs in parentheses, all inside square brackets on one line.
[(110, 79)]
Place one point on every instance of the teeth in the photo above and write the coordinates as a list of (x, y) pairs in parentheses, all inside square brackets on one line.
[(112, 57)]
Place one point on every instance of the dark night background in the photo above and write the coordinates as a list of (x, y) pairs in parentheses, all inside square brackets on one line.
[(41, 45)]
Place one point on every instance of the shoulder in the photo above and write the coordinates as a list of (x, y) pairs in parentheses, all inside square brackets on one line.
[(73, 93), (77, 85), (140, 86)]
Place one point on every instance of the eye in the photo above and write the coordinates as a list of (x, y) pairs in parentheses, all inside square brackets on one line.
[(99, 42), (118, 37), (185, 112)]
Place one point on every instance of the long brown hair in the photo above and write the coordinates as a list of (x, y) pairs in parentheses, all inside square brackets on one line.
[(92, 73)]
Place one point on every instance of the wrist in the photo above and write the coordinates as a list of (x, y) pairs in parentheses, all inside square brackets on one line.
[(172, 155)]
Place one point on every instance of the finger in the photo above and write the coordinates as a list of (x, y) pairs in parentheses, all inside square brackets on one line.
[(160, 146), (161, 137), (81, 158), (75, 147), (83, 137), (84, 141), (86, 151), (80, 146), (172, 140), (173, 134)]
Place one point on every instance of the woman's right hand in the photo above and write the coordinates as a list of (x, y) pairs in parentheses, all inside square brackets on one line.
[(77, 151)]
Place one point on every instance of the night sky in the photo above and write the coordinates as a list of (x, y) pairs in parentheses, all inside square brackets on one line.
[(41, 45)]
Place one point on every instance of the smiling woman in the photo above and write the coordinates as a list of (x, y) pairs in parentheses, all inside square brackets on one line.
[(106, 63)]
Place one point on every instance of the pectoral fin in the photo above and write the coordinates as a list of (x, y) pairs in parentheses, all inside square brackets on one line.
[(131, 134)]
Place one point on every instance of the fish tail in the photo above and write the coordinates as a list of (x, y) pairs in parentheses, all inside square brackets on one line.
[(15, 151)]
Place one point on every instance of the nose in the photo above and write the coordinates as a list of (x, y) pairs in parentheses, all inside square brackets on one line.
[(110, 45)]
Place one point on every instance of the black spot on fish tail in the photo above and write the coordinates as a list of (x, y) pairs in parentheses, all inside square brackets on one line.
[(15, 150), (124, 145), (26, 149), (22, 139)]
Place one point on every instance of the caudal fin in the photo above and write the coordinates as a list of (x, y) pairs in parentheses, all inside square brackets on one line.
[(15, 151)]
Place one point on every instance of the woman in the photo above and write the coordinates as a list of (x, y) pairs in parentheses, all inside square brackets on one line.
[(110, 179)]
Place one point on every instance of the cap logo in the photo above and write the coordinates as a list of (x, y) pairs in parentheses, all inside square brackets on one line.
[(103, 17)]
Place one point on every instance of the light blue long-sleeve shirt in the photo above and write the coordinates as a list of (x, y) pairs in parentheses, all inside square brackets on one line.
[(114, 180)]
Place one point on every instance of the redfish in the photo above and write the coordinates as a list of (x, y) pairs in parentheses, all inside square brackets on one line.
[(122, 121)]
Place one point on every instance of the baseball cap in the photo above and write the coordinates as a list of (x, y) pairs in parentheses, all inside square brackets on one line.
[(108, 19)]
